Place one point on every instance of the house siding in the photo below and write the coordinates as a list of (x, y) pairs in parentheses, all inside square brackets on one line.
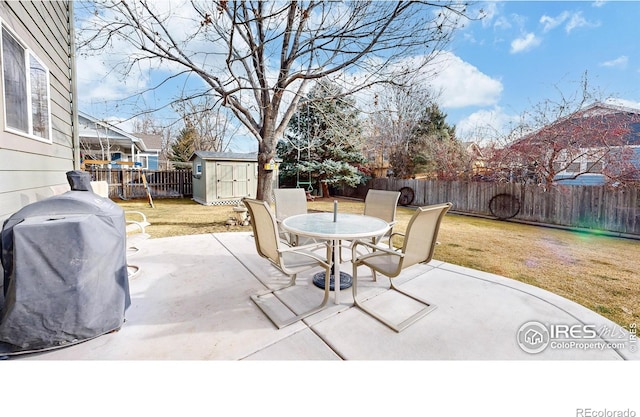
[(29, 167)]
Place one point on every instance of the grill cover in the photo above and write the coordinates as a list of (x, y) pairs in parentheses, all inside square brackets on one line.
[(65, 270)]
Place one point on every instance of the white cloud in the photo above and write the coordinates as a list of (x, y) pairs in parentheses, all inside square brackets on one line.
[(620, 62), (525, 43), (599, 3), (552, 22), (623, 102), (490, 12), (502, 23), (572, 20), (486, 125), (464, 85), (577, 21)]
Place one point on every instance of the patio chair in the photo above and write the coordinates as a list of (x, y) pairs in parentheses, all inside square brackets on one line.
[(381, 204), (135, 221), (289, 202), (290, 260), (418, 247)]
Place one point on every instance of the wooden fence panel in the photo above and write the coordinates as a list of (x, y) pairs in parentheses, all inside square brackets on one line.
[(615, 210), (128, 184)]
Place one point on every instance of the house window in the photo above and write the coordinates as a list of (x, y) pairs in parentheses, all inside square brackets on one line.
[(143, 161), (26, 89), (595, 167), (573, 167), (198, 169)]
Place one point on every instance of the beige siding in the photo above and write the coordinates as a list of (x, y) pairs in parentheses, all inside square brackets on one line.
[(28, 167)]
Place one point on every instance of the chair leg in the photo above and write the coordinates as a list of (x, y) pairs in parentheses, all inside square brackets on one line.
[(398, 327), (283, 323)]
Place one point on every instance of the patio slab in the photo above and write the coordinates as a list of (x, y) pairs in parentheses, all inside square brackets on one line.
[(191, 301)]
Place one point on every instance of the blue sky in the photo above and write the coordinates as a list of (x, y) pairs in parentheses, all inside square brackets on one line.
[(525, 52), (521, 53)]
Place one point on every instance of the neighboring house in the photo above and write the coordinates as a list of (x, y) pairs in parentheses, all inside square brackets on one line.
[(38, 144), (154, 158), (476, 157), (598, 143), (101, 141), (588, 169)]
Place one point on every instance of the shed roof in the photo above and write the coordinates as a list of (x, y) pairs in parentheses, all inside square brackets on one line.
[(225, 156)]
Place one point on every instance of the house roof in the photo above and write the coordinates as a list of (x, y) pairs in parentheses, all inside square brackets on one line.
[(92, 128), (472, 147), (608, 116), (152, 142)]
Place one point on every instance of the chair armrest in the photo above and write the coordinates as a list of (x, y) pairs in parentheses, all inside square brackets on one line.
[(392, 235), (376, 248), (377, 251), (143, 218), (308, 247), (133, 225), (305, 250)]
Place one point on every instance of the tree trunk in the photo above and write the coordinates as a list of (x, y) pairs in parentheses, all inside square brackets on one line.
[(325, 189), (265, 177)]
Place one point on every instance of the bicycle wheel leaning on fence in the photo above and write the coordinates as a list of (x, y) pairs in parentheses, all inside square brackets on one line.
[(406, 196), (504, 206)]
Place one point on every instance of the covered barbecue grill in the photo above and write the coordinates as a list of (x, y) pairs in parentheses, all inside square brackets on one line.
[(65, 270)]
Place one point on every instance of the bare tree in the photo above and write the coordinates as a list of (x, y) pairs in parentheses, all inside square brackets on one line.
[(149, 125), (257, 57), (590, 140), (208, 120), (573, 134), (397, 111)]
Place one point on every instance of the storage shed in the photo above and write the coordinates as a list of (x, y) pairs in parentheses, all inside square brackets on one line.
[(224, 178)]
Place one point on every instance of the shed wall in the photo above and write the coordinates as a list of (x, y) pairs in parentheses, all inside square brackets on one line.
[(224, 182)]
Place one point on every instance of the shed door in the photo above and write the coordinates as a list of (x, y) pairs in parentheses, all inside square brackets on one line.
[(233, 180)]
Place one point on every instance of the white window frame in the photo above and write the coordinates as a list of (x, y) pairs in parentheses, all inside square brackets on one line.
[(28, 56), (143, 159)]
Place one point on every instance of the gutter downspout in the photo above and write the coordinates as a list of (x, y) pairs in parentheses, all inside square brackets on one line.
[(74, 90)]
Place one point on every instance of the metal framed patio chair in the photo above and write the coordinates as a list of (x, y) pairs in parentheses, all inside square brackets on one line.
[(418, 247), (290, 260), (289, 202), (381, 204)]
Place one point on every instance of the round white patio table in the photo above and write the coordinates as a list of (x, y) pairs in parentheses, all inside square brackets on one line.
[(346, 227)]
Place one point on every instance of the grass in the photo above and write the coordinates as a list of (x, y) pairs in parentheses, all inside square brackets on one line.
[(596, 271)]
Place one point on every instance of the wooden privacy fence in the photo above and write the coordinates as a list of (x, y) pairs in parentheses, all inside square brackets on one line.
[(602, 208), (128, 184)]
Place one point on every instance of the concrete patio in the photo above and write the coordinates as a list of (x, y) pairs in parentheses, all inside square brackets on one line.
[(191, 301)]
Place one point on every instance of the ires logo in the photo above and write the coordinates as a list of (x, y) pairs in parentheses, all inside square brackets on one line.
[(577, 331), (534, 337)]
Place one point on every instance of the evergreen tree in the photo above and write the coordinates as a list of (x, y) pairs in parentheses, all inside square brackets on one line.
[(184, 146), (432, 149), (323, 141)]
